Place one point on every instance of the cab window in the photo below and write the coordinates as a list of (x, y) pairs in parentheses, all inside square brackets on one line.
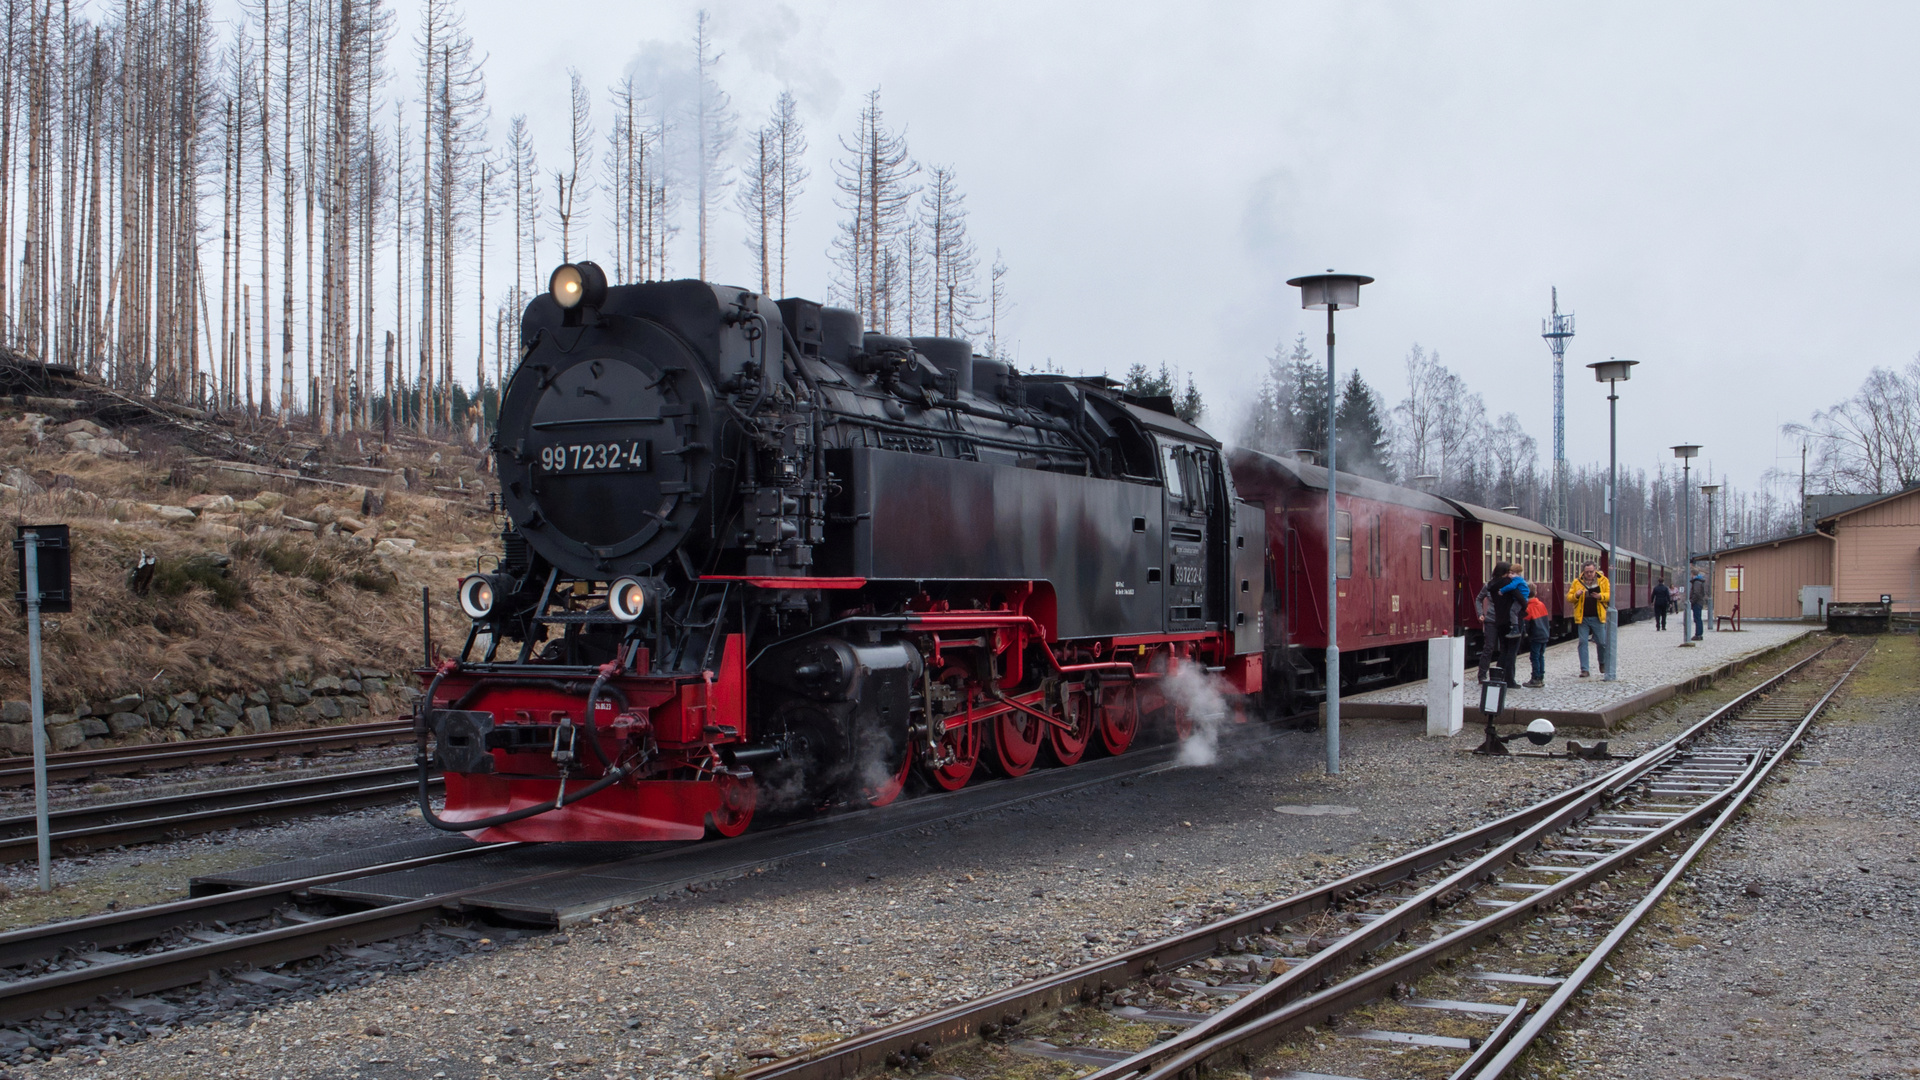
[(1176, 473)]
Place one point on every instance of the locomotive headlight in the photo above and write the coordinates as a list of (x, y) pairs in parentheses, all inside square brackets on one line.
[(578, 284), (477, 596), (627, 599)]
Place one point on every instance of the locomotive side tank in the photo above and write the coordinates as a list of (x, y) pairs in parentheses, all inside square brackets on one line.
[(755, 554)]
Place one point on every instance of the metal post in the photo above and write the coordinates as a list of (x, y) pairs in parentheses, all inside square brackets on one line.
[(31, 555), (1333, 567), (1612, 651), (1713, 566), (1686, 572)]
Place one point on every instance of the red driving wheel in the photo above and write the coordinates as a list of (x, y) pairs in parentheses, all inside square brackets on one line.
[(738, 797), (1119, 719), (1070, 742), (958, 746), (884, 791), (1017, 736)]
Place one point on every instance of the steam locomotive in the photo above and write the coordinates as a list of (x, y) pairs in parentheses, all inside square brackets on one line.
[(758, 555)]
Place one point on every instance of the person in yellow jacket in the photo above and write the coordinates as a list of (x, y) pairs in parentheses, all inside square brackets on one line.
[(1589, 595)]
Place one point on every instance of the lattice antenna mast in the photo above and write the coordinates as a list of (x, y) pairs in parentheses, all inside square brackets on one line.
[(1557, 328)]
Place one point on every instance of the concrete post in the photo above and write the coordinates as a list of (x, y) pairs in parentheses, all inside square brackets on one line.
[(1446, 685)]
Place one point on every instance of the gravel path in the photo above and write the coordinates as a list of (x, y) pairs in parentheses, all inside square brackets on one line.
[(1795, 952)]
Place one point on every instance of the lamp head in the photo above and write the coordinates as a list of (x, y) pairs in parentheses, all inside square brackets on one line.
[(577, 286), (1330, 290), (1493, 699), (1709, 488), (1611, 370), (1686, 450)]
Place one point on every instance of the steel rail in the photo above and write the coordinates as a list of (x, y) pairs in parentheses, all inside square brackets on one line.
[(117, 928), (1228, 1036), (1085, 983), (120, 760), (1509, 1050), (169, 817)]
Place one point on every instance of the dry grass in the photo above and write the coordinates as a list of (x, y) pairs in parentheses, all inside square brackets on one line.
[(223, 614)]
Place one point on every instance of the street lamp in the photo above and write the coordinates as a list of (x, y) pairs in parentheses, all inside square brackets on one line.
[(1686, 452), (1709, 489), (1613, 373), (1331, 292)]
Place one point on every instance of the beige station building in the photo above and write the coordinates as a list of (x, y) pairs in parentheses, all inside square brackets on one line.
[(1857, 554)]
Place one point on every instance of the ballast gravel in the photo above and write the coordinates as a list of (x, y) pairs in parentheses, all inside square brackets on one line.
[(1793, 950), (705, 982)]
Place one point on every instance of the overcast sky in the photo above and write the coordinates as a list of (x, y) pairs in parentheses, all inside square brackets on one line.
[(1723, 192)]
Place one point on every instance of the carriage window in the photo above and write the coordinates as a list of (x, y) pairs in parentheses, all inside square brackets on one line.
[(1342, 544), (1176, 479), (1426, 553), (1446, 554)]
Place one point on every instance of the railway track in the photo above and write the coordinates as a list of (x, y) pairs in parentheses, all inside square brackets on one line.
[(81, 829), (153, 757), (1447, 961)]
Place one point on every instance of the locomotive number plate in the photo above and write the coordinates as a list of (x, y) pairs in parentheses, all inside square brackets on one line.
[(595, 457)]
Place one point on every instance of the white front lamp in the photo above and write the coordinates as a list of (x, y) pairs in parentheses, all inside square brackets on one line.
[(627, 599), (477, 596)]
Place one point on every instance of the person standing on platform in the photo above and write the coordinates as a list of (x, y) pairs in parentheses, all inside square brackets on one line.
[(1697, 597), (1589, 594), (1662, 600), (1509, 609), (1483, 606), (1539, 624)]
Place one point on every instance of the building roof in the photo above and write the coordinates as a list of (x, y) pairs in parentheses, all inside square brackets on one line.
[(1773, 543), (1871, 501), (1501, 517)]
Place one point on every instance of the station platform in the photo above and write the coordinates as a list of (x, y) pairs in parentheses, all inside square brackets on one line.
[(1653, 668)]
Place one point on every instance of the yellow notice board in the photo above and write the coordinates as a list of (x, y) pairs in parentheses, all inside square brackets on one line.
[(1733, 578)]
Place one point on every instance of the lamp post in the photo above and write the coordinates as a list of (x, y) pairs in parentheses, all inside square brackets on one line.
[(1709, 489), (1613, 373), (1331, 292), (1686, 452)]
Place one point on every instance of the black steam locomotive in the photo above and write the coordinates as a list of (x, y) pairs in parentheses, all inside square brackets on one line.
[(755, 553)]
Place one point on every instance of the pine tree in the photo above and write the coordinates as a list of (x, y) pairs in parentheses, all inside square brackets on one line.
[(1364, 447)]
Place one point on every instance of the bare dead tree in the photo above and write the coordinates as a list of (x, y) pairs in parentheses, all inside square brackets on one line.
[(566, 183), (713, 128), (875, 183)]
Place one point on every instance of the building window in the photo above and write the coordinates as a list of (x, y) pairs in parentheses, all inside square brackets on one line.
[(1426, 553), (1342, 544), (1446, 554)]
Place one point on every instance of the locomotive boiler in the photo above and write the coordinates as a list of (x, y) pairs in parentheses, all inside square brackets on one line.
[(755, 554)]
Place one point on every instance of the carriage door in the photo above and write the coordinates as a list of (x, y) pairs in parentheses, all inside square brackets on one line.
[(1377, 583), (1187, 508)]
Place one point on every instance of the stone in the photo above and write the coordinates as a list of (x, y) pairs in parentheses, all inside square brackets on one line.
[(93, 727), (17, 738), (236, 699), (65, 736), (20, 478), (170, 513), (259, 719), (393, 546), (185, 699), (126, 723), (78, 439), (259, 697), (351, 525), (298, 525), (371, 673), (83, 709), (223, 716), (154, 711), (309, 713), (285, 714), (184, 717), (374, 686), (250, 506), (351, 686), (124, 703), (327, 684), (324, 513), (294, 695), (219, 504), (350, 708), (373, 503), (205, 731), (16, 712), (86, 427), (270, 499), (330, 529), (221, 532), (107, 448), (329, 708)]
